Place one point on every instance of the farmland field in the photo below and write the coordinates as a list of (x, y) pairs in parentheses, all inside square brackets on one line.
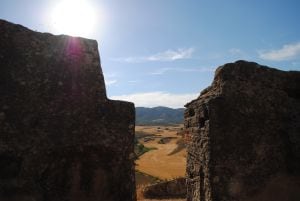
[(167, 157)]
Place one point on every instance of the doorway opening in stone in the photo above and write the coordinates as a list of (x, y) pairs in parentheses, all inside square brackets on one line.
[(160, 161)]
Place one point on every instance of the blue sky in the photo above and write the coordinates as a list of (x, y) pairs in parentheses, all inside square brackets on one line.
[(164, 52)]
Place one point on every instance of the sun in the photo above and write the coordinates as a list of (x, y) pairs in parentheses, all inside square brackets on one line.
[(74, 17)]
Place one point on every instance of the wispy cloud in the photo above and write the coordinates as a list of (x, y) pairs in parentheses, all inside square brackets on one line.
[(110, 75), (110, 82), (133, 81), (168, 55), (287, 52), (236, 52), (171, 55), (162, 71), (158, 98)]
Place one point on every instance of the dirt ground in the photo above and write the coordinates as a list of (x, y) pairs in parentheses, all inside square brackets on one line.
[(161, 162)]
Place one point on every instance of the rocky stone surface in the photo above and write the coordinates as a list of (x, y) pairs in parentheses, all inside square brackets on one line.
[(245, 132), (61, 139), (175, 188)]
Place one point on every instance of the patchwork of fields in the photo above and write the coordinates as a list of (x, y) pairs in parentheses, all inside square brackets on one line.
[(166, 158)]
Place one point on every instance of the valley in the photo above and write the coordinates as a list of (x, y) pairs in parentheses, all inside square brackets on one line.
[(166, 158)]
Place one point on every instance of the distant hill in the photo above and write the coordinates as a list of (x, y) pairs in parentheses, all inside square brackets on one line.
[(158, 116)]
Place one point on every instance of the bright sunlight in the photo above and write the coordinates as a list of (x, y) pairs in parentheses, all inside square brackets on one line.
[(74, 17)]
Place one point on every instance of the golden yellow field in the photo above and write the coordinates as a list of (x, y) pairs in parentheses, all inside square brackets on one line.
[(168, 160)]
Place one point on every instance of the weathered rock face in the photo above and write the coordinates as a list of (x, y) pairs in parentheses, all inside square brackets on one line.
[(245, 136), (61, 139), (172, 189)]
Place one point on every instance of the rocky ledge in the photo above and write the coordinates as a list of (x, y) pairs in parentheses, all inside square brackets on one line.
[(245, 131), (61, 139)]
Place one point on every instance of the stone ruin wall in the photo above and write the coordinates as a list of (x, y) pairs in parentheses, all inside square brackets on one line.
[(61, 139), (245, 132)]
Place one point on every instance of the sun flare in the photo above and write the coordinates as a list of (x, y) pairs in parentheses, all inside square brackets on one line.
[(74, 17)]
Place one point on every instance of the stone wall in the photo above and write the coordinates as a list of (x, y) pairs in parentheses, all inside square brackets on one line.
[(245, 131), (61, 139), (172, 189)]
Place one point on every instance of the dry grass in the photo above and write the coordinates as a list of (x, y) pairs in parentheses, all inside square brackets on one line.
[(168, 161), (159, 163), (181, 145)]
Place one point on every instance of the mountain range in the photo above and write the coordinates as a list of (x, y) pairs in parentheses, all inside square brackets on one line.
[(158, 115)]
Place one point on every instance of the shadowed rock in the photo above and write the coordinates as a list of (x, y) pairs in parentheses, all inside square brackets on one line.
[(61, 139), (245, 132), (175, 188)]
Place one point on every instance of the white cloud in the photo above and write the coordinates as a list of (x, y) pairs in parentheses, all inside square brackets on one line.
[(236, 52), (158, 98), (133, 81), (287, 52), (169, 55), (110, 82), (110, 75), (130, 59), (182, 70)]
